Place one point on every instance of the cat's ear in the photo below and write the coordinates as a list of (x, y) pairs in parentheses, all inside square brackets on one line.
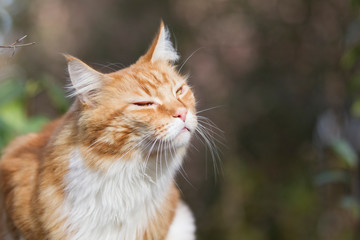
[(85, 81), (161, 48)]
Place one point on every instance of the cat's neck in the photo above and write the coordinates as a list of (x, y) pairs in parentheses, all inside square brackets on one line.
[(126, 195)]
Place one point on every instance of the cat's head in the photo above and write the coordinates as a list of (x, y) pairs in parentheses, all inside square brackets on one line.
[(146, 105)]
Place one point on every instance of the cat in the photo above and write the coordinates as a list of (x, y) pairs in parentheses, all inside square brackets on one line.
[(105, 170)]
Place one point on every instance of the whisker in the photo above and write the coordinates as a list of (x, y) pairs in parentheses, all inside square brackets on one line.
[(156, 161), (187, 59), (208, 109), (117, 65), (171, 147), (212, 132), (182, 170), (206, 152), (149, 153), (144, 164), (166, 160), (193, 147), (214, 151), (161, 153), (210, 123), (212, 139), (105, 66), (136, 145), (98, 141)]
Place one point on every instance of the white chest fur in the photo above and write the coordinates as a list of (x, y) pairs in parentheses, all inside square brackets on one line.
[(117, 204)]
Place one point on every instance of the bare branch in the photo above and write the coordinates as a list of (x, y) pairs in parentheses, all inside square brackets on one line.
[(17, 44)]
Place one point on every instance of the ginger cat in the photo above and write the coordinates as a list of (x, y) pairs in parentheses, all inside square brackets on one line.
[(105, 170)]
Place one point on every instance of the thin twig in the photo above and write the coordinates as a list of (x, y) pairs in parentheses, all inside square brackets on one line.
[(17, 44)]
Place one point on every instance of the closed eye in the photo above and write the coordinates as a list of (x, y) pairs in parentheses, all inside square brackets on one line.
[(179, 91), (143, 104)]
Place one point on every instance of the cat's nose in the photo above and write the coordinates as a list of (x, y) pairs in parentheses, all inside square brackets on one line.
[(181, 113)]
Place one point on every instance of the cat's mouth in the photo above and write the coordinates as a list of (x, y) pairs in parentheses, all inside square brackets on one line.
[(185, 129)]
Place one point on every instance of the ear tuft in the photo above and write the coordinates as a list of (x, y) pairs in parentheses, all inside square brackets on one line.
[(162, 48), (84, 80)]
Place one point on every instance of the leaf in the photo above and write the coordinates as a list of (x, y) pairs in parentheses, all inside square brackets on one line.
[(350, 57), (351, 204), (32, 88), (355, 3), (354, 83), (11, 90), (34, 124), (13, 115), (56, 94), (331, 176), (345, 152), (5, 134), (355, 108)]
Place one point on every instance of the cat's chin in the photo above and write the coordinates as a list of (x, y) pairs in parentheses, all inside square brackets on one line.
[(183, 138)]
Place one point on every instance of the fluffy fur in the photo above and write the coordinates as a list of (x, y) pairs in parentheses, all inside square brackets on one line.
[(105, 169)]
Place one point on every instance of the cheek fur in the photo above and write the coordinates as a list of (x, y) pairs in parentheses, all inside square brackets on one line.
[(188, 100), (119, 127)]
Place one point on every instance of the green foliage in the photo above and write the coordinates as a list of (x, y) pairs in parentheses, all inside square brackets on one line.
[(355, 108), (332, 176), (355, 3), (352, 205), (15, 95), (350, 57), (55, 93), (346, 153), (275, 65)]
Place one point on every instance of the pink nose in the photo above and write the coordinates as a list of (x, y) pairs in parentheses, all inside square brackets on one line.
[(181, 113)]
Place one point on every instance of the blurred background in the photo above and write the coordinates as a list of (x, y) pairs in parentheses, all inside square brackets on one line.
[(281, 79)]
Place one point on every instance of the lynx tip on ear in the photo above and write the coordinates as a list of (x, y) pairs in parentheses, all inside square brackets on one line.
[(162, 48), (68, 57)]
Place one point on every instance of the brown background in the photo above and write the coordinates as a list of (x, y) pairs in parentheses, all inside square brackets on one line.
[(282, 75)]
